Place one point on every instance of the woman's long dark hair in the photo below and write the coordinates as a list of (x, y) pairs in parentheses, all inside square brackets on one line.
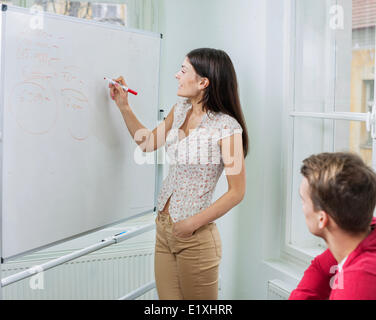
[(222, 93)]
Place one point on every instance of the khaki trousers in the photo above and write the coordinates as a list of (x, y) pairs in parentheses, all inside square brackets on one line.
[(186, 268)]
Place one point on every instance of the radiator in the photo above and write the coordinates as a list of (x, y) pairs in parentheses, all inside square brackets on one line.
[(106, 274), (278, 290)]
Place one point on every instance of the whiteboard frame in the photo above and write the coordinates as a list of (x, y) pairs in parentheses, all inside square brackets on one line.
[(2, 12), (5, 8)]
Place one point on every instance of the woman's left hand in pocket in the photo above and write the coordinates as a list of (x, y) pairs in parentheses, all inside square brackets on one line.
[(183, 229)]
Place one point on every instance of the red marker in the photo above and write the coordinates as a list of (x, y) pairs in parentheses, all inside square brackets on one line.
[(125, 88)]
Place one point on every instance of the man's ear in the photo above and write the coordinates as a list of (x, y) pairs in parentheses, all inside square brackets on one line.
[(323, 219)]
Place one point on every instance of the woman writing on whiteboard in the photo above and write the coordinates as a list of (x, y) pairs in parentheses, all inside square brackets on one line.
[(204, 133)]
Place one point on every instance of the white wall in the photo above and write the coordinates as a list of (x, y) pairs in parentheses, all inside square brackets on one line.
[(187, 25), (251, 32)]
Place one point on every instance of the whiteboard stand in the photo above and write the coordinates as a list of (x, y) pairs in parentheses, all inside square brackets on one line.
[(74, 255)]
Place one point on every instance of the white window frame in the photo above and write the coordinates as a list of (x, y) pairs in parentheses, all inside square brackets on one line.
[(288, 250)]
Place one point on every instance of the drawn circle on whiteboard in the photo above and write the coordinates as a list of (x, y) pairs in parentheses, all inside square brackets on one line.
[(33, 107), (76, 105)]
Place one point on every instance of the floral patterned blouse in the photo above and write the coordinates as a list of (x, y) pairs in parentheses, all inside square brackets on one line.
[(195, 162)]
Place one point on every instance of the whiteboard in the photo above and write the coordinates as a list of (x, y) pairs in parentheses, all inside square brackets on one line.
[(69, 164)]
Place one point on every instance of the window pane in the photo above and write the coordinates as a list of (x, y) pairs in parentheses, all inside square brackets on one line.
[(355, 56), (314, 56), (353, 136), (311, 136), (334, 55)]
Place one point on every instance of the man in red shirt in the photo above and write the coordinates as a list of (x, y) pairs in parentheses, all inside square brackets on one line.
[(338, 193)]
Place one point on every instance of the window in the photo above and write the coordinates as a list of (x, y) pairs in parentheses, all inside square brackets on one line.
[(330, 105), (136, 14), (106, 12)]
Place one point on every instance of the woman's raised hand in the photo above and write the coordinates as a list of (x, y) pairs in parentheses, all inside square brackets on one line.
[(118, 94)]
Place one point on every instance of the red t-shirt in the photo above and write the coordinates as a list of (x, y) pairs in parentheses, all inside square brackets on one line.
[(356, 281)]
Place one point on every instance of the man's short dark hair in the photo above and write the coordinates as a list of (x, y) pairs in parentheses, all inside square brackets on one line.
[(343, 186)]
